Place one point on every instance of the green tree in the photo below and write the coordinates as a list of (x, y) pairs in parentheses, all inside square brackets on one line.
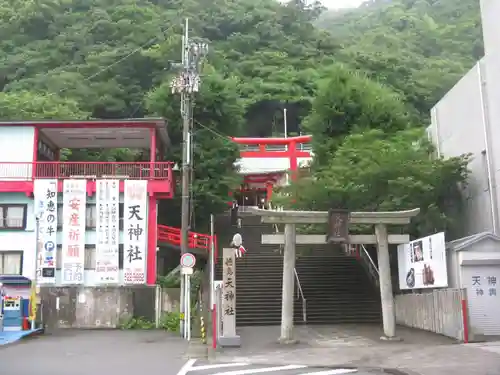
[(376, 171), (220, 112), (27, 105), (347, 101)]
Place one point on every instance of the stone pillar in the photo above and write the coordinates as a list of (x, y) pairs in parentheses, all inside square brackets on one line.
[(386, 296), (288, 286), (229, 337)]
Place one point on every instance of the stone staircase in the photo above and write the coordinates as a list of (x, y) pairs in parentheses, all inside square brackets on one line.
[(336, 287), (338, 290), (258, 275)]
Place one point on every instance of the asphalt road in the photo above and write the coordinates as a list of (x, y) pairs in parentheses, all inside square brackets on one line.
[(95, 352), (197, 367)]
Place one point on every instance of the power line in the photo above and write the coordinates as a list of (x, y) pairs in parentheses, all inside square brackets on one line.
[(187, 83), (107, 67)]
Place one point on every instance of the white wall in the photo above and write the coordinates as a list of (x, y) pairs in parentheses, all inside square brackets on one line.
[(21, 240), (459, 125), (490, 13), (25, 240), (267, 165), (16, 145)]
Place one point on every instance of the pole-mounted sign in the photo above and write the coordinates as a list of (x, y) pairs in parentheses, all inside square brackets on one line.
[(188, 261)]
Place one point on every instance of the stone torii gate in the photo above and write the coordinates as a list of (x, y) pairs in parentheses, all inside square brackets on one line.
[(381, 238)]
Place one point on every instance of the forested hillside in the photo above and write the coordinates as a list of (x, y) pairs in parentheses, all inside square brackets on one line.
[(379, 67)]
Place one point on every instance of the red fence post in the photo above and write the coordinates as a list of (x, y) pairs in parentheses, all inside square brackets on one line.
[(465, 320)]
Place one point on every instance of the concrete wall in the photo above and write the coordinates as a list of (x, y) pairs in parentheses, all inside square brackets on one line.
[(467, 119), (90, 308), (16, 145), (461, 123), (490, 12), (438, 311)]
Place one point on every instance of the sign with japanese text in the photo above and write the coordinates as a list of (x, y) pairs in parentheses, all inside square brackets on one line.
[(484, 285), (228, 292), (338, 226), (422, 263), (107, 227), (45, 206), (135, 231), (73, 228)]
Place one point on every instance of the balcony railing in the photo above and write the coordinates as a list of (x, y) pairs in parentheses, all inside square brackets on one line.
[(255, 148), (86, 169), (172, 236)]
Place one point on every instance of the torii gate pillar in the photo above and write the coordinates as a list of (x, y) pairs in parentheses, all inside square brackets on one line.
[(379, 219), (289, 256), (385, 282)]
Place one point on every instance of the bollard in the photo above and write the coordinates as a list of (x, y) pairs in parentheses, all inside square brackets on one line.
[(203, 333)]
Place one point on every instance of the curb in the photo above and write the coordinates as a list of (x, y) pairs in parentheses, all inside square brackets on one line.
[(31, 336)]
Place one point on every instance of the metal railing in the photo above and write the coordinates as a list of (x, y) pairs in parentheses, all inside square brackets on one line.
[(369, 264), (300, 147), (300, 293), (172, 236), (86, 169)]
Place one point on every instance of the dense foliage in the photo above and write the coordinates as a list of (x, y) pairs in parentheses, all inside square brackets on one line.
[(379, 67)]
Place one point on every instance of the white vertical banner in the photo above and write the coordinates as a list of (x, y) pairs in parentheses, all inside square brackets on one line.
[(45, 206), (107, 204), (73, 241), (135, 231)]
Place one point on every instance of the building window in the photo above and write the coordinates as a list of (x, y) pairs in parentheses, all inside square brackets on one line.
[(11, 263), (12, 216), (90, 216)]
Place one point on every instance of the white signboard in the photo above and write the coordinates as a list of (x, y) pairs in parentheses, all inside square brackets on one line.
[(135, 232), (73, 241), (422, 263), (229, 292), (107, 227), (45, 201)]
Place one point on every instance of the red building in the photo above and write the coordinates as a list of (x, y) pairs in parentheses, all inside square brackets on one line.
[(30, 151)]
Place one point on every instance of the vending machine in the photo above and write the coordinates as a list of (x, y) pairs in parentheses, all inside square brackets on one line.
[(12, 314), (15, 294)]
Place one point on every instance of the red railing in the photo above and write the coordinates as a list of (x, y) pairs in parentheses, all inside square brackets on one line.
[(172, 236), (86, 169)]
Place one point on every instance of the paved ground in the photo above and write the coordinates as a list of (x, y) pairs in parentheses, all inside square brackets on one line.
[(196, 367), (321, 351), (94, 353), (419, 353)]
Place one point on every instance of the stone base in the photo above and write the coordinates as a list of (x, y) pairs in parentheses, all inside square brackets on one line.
[(393, 339), (284, 341), (196, 350), (230, 341)]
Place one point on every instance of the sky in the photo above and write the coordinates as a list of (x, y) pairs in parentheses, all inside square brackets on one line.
[(336, 4)]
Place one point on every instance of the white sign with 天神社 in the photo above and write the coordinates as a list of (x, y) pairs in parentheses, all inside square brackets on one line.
[(45, 205), (229, 338), (107, 228), (135, 231), (73, 230)]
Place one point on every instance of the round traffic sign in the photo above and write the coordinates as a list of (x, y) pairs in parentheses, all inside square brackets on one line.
[(188, 260)]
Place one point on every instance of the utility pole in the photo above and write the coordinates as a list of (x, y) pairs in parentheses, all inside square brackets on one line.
[(187, 83)]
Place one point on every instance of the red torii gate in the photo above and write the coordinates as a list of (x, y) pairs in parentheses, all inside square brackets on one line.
[(291, 152)]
